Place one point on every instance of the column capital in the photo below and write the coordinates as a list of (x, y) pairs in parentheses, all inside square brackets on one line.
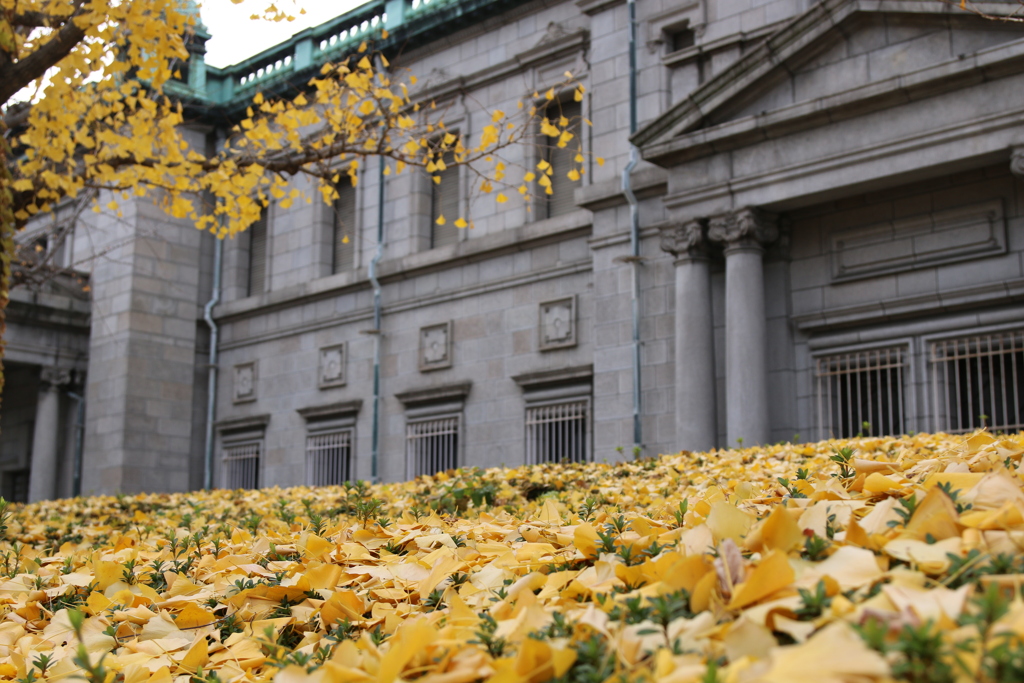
[(55, 377), (685, 240), (744, 228), (1017, 161)]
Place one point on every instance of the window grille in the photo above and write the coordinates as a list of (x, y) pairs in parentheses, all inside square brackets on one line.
[(561, 201), (344, 227), (329, 458), (444, 201), (242, 464), (558, 432), (258, 255), (976, 382), (861, 392), (432, 445)]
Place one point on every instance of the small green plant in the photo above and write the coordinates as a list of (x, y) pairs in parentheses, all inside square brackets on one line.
[(906, 509), (586, 511), (680, 514), (815, 548), (813, 604), (792, 490), (365, 510), (495, 646), (843, 457), (947, 488)]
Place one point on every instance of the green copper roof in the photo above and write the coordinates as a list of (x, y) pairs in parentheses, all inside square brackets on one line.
[(292, 63)]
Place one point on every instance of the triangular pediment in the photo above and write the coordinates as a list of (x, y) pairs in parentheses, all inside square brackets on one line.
[(848, 55)]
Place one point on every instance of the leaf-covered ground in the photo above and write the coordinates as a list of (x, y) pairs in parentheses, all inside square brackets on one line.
[(861, 560)]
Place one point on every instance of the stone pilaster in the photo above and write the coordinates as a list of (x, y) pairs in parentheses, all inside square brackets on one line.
[(42, 484), (745, 233), (694, 335)]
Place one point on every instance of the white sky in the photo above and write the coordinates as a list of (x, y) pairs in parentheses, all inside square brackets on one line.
[(236, 36)]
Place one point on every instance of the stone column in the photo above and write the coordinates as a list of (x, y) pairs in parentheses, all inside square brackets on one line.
[(42, 483), (744, 233), (696, 425)]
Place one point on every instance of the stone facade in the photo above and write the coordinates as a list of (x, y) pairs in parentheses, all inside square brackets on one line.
[(831, 237)]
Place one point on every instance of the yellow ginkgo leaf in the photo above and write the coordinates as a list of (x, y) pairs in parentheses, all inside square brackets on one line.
[(460, 222), (440, 220)]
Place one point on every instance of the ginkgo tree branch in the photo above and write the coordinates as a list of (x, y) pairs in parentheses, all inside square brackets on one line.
[(35, 65)]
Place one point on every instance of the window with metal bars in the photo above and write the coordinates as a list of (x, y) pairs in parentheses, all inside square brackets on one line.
[(558, 432), (861, 392), (562, 160), (344, 228), (257, 283), (976, 382), (432, 445), (444, 202), (241, 464), (329, 458)]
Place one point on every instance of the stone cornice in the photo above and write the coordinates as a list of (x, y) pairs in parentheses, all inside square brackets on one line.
[(544, 378), (522, 238), (948, 301), (543, 52), (331, 409), (647, 182), (592, 7), (436, 394), (234, 424)]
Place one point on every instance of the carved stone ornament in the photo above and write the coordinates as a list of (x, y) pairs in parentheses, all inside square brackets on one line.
[(686, 239), (436, 347), (244, 384), (1017, 162), (744, 227), (558, 324), (55, 377), (332, 366)]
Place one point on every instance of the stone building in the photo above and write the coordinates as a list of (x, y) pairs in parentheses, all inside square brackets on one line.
[(828, 240)]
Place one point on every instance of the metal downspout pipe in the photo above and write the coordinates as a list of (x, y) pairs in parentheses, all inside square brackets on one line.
[(375, 432), (634, 232), (211, 388)]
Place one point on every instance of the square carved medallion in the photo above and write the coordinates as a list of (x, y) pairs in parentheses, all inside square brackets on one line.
[(436, 347), (332, 366), (558, 323), (244, 382)]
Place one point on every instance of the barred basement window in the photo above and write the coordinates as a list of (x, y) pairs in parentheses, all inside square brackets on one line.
[(432, 446), (329, 458), (861, 392), (558, 432), (976, 382), (242, 464)]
